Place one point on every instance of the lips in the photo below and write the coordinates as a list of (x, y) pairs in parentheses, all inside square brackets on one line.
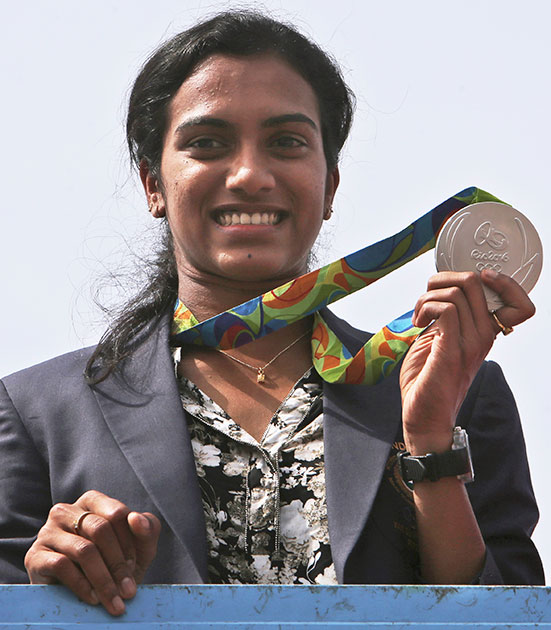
[(231, 217)]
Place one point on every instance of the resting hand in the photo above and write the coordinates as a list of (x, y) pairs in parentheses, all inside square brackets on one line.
[(104, 561), (441, 364)]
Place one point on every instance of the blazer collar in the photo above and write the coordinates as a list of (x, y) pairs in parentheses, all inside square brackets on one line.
[(142, 408), (360, 425)]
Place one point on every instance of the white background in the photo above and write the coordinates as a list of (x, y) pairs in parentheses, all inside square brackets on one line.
[(449, 95)]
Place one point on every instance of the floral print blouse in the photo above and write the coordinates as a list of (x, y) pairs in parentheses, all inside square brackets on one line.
[(264, 502)]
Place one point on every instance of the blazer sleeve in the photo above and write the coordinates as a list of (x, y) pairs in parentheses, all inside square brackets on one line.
[(501, 494), (24, 492)]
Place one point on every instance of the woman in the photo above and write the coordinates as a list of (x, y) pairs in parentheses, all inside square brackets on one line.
[(194, 465)]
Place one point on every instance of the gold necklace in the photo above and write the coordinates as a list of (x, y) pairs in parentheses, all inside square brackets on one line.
[(260, 371)]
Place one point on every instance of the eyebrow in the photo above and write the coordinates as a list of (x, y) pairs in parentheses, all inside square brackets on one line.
[(204, 121), (273, 121)]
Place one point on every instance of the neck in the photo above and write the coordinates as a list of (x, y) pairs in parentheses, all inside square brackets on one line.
[(206, 296)]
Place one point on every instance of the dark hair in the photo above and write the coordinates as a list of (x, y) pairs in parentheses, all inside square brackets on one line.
[(234, 33)]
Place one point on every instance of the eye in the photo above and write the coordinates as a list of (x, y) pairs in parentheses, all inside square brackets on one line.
[(288, 142), (205, 143), (206, 148)]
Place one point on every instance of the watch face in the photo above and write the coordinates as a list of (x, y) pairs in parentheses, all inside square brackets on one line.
[(461, 440)]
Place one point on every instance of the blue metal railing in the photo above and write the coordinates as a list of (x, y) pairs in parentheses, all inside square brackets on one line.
[(284, 607)]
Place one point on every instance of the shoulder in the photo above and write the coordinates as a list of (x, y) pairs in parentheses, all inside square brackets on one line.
[(53, 379), (65, 364)]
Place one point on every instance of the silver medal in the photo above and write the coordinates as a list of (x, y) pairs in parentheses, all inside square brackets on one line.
[(491, 235)]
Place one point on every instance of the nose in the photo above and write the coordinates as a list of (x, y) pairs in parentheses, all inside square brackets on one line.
[(250, 172)]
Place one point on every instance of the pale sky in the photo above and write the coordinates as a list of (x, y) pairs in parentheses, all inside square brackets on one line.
[(449, 95)]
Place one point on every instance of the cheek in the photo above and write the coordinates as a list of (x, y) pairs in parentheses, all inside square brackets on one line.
[(183, 178)]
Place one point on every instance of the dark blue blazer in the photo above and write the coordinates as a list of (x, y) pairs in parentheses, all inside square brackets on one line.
[(128, 437)]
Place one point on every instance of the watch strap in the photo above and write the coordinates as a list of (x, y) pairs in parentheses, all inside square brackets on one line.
[(434, 466)]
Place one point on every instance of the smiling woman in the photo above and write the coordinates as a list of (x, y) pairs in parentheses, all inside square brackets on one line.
[(243, 178), (201, 464)]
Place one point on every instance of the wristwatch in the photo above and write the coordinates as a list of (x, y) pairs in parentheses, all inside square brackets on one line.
[(454, 463)]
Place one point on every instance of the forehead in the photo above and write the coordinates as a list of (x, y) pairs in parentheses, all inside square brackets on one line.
[(253, 86)]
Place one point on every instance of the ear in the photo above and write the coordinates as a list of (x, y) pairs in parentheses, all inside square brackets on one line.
[(154, 196), (331, 185)]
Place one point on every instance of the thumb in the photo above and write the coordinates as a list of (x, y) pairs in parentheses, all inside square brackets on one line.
[(146, 528)]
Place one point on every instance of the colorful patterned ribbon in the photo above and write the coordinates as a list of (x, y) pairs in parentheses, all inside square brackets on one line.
[(309, 293)]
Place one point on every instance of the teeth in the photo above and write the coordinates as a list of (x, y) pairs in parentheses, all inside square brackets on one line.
[(232, 217)]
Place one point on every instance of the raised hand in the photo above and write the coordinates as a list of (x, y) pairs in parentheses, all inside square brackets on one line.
[(442, 363)]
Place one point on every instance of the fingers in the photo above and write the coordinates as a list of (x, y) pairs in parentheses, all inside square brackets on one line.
[(57, 568), (109, 561), (101, 558), (517, 305), (115, 513), (76, 562), (97, 547), (464, 290), (146, 528), (457, 301)]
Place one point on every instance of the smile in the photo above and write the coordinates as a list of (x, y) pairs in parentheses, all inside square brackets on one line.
[(233, 217)]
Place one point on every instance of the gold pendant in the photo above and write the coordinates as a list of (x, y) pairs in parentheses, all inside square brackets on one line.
[(260, 377)]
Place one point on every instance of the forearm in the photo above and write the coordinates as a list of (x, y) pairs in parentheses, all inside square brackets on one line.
[(451, 546)]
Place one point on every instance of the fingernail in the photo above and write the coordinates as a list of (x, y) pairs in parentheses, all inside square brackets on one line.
[(491, 273), (128, 587), (94, 597), (144, 522), (118, 604)]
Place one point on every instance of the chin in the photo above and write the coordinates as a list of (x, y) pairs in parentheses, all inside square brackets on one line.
[(261, 271)]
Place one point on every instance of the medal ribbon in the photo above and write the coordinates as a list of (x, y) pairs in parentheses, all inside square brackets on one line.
[(311, 292)]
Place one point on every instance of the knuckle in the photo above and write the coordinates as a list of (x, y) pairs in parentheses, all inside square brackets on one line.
[(471, 278), (90, 496), (85, 550), (59, 512), (57, 564), (30, 558), (434, 279), (117, 512), (98, 528), (455, 292), (422, 300)]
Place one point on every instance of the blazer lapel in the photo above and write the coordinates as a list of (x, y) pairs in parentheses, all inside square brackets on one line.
[(360, 425), (142, 409)]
